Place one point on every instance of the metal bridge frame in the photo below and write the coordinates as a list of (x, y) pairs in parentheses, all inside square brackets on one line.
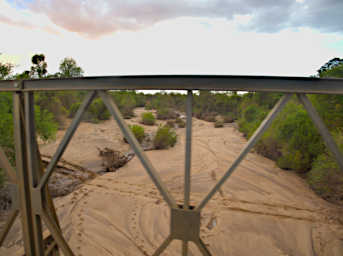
[(28, 180)]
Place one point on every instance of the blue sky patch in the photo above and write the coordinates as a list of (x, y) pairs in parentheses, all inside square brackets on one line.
[(19, 4)]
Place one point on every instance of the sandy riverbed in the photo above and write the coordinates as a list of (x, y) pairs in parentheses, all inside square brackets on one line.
[(261, 209)]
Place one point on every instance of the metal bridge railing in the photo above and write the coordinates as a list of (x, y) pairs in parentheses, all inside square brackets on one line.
[(28, 180)]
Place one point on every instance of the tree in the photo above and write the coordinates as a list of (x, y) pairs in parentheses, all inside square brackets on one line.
[(5, 70), (69, 68), (329, 65), (39, 67), (24, 75)]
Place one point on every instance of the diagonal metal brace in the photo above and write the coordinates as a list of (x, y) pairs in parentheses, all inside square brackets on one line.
[(323, 130), (112, 107), (252, 141), (66, 139), (5, 164)]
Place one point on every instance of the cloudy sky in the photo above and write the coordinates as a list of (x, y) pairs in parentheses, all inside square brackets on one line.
[(113, 37)]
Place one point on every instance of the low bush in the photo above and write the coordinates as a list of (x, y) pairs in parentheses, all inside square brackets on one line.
[(148, 106), (148, 118), (209, 117), (166, 113), (165, 137), (269, 147), (228, 118), (138, 131), (326, 178), (127, 112), (218, 124), (180, 123), (96, 112), (171, 123)]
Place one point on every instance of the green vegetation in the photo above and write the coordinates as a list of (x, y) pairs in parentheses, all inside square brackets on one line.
[(171, 123), (166, 113), (165, 137), (228, 118), (138, 131), (180, 123), (293, 141), (148, 118), (325, 177), (218, 124), (45, 121), (95, 113)]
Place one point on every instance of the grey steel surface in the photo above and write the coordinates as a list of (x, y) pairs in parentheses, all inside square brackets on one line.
[(184, 82), (188, 153), (5, 164), (8, 224), (57, 234), (22, 175), (202, 247), (163, 246), (32, 168), (185, 224)]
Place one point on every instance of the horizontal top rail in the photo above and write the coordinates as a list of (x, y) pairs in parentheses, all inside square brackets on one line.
[(182, 82)]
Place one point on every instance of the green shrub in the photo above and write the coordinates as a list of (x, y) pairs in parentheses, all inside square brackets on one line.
[(171, 123), (165, 137), (148, 118), (218, 124), (326, 178), (127, 112), (166, 113), (301, 143), (99, 110), (228, 118), (180, 123), (209, 117), (126, 105), (138, 131), (96, 112), (269, 147), (148, 106), (45, 125), (51, 102)]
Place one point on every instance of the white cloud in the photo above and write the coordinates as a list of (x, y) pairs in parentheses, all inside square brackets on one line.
[(177, 46)]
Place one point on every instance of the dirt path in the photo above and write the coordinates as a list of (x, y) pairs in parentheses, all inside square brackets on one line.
[(261, 210)]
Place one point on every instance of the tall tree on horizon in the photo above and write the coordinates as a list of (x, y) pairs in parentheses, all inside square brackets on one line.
[(39, 67), (328, 66), (5, 70), (69, 68)]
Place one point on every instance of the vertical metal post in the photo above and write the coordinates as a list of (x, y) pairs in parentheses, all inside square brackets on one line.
[(22, 175), (32, 167), (188, 153)]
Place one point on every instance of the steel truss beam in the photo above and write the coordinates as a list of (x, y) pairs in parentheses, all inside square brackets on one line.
[(182, 82), (30, 182)]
